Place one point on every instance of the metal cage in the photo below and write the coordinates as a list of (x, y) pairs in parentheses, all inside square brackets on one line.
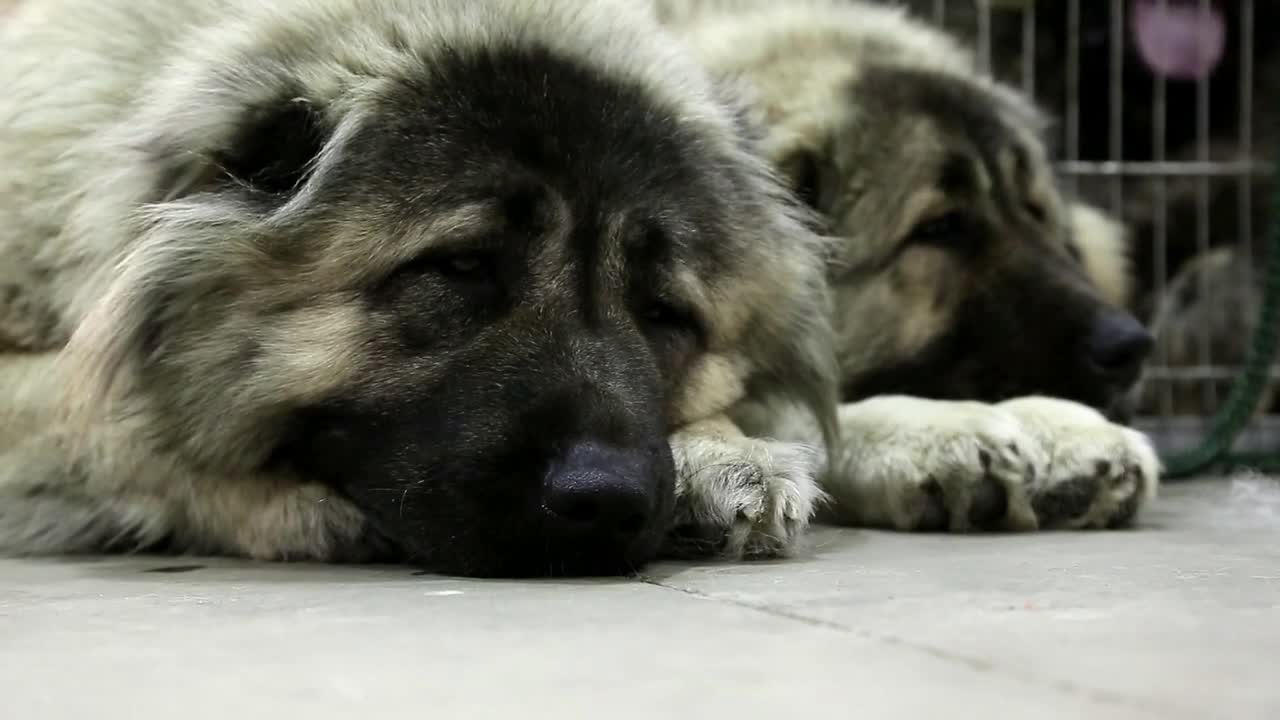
[(1124, 140)]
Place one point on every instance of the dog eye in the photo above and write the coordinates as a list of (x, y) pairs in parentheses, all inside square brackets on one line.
[(660, 313), (1037, 212), (464, 266), (940, 230), (467, 267), (667, 316), (806, 171)]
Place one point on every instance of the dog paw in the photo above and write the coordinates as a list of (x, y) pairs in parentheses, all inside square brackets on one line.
[(1099, 474), (1025, 464), (741, 498), (915, 464)]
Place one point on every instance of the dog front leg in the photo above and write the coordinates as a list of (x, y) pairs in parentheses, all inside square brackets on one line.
[(740, 497)]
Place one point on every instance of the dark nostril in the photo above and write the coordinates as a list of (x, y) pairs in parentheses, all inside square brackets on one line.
[(599, 491), (575, 509), (586, 511), (596, 503), (1119, 344)]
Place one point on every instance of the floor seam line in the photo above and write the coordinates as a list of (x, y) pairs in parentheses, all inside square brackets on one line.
[(973, 663)]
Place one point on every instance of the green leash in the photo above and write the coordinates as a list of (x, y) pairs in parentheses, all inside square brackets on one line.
[(1215, 451)]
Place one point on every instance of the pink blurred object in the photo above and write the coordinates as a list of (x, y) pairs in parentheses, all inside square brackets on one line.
[(1179, 39)]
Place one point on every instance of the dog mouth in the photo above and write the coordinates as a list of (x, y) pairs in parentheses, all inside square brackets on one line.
[(1180, 40)]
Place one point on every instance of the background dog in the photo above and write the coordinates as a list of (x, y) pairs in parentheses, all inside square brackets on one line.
[(1177, 44), (1207, 316), (464, 281), (960, 272)]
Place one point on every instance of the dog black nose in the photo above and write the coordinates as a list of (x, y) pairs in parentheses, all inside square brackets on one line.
[(1117, 346), (599, 491)]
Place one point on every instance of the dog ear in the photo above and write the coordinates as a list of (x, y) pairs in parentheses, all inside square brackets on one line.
[(200, 191), (269, 153), (799, 166)]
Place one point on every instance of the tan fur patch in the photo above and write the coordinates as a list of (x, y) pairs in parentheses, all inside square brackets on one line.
[(925, 282), (317, 349), (713, 384), (1103, 243), (923, 204)]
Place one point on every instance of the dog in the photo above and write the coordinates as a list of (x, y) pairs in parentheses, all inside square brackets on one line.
[(1207, 319), (1187, 229), (468, 283), (979, 316)]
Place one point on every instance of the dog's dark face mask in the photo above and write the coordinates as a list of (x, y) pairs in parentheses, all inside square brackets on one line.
[(521, 371), (1028, 325), (538, 449), (1025, 321)]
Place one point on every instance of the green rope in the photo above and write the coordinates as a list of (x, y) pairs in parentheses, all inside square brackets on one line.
[(1215, 451)]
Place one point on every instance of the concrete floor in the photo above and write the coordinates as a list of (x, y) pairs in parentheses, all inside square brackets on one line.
[(1180, 619)]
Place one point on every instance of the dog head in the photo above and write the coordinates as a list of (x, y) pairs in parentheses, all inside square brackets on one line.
[(470, 274), (962, 273)]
